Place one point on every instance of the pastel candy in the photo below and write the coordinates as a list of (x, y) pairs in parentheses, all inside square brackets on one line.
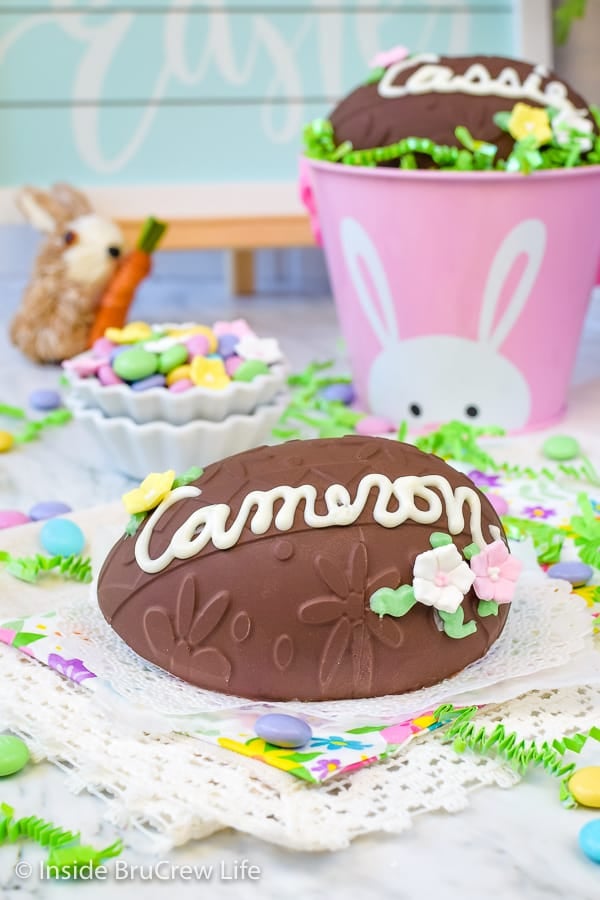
[(227, 344), (135, 363), (145, 384), (44, 399), (283, 730), (585, 786), (6, 441), (102, 347), (232, 364), (178, 373), (198, 345), (132, 332), (561, 447), (498, 502), (170, 359), (341, 393), (84, 367), (577, 573), (106, 376), (10, 518), (374, 425), (589, 840), (250, 369), (184, 384), (61, 537), (48, 509), (117, 351), (14, 754)]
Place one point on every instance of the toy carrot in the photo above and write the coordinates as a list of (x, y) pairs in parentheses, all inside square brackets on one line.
[(120, 292)]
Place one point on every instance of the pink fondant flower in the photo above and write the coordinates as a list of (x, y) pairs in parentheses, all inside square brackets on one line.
[(441, 578), (239, 327), (496, 573), (386, 58)]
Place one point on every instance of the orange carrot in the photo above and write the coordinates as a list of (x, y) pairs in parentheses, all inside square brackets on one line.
[(120, 291)]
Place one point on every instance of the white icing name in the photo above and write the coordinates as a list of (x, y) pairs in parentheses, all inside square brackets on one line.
[(476, 80), (209, 524)]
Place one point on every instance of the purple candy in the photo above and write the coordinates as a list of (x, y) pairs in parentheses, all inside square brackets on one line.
[(198, 345), (499, 503), (107, 376), (342, 393), (47, 509), (283, 730), (144, 384), (178, 387), (577, 573), (227, 344), (102, 347), (9, 518), (45, 399), (116, 351), (374, 425), (232, 364)]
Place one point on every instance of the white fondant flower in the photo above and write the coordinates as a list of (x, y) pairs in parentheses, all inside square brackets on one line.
[(441, 578), (264, 349), (159, 345), (567, 120)]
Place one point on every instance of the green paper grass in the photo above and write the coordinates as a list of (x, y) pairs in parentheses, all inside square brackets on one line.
[(547, 540), (31, 568), (587, 532), (520, 754)]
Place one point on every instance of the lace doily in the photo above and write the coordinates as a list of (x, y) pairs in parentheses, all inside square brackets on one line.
[(175, 788)]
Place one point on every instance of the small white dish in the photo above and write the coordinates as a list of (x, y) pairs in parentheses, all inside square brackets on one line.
[(160, 404), (138, 449)]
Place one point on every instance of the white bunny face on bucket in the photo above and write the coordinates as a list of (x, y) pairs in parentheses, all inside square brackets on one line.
[(438, 377)]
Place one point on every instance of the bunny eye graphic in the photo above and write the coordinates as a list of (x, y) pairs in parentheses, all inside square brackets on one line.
[(472, 411), (415, 409), (70, 238)]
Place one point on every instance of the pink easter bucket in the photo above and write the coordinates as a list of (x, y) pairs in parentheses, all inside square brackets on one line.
[(460, 295)]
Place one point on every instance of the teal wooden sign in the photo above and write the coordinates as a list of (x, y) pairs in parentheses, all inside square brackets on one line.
[(127, 92)]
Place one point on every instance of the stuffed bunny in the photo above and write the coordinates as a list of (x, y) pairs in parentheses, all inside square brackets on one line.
[(438, 377), (75, 261)]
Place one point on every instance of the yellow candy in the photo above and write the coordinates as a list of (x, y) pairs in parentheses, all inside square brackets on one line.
[(130, 334), (213, 341), (150, 493), (178, 374), (209, 373), (6, 441), (585, 786)]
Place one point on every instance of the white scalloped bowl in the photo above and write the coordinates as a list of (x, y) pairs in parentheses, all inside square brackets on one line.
[(159, 404), (138, 449)]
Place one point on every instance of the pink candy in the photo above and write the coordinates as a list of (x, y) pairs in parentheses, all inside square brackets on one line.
[(232, 364), (84, 367), (198, 345), (106, 376), (102, 347), (11, 517), (178, 387), (374, 425), (499, 503)]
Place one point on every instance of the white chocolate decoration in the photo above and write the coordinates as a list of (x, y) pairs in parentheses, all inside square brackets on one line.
[(476, 80), (209, 523)]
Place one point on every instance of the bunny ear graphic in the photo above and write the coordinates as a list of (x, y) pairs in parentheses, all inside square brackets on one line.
[(529, 237), (357, 245)]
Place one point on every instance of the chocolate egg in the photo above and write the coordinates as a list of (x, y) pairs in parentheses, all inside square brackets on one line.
[(258, 578)]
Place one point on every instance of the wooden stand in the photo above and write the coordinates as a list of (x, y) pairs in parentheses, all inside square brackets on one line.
[(240, 236)]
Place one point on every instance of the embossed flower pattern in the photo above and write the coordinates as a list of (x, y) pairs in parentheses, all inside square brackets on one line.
[(353, 626), (180, 639)]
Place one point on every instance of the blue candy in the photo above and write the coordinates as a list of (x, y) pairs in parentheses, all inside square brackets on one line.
[(48, 509), (589, 840), (45, 399), (144, 384), (227, 344), (282, 730), (577, 573), (343, 393), (61, 537)]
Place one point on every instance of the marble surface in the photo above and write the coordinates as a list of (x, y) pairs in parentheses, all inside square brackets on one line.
[(509, 844)]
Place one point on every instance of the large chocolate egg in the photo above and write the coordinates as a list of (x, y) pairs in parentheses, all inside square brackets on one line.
[(428, 96), (257, 579)]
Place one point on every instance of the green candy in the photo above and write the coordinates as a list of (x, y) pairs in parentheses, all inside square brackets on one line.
[(135, 364), (14, 754), (249, 370), (172, 358), (561, 447)]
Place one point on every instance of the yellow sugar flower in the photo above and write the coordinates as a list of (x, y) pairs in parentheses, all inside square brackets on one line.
[(152, 491), (209, 373), (130, 334), (529, 121)]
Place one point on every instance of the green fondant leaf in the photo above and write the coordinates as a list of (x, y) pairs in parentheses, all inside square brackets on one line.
[(375, 75), (501, 119), (455, 625), (188, 476), (393, 602), (439, 539), (487, 608), (470, 551), (134, 523)]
